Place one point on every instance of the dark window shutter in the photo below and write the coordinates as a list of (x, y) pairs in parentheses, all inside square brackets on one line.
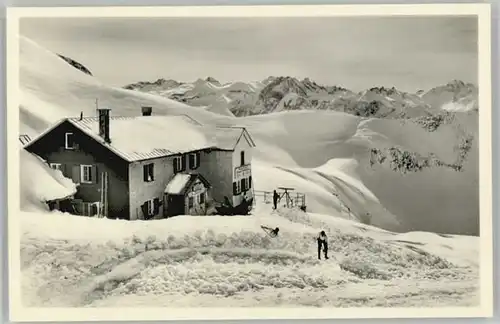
[(144, 208), (75, 174), (145, 173), (95, 174), (242, 155), (93, 210), (64, 170), (249, 182), (243, 184), (152, 171), (191, 161), (183, 162), (198, 155), (156, 206), (235, 188), (176, 168)]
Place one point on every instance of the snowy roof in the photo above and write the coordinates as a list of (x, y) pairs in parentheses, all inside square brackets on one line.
[(180, 182), (145, 137)]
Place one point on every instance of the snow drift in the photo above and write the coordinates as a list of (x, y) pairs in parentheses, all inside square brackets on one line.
[(230, 261), (48, 184)]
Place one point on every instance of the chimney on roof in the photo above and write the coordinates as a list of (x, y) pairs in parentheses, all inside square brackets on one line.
[(146, 111), (104, 124)]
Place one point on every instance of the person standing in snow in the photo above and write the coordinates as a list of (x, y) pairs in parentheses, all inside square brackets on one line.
[(322, 242), (275, 199)]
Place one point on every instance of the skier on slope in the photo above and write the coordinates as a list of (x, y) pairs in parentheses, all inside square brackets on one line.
[(270, 231), (322, 242)]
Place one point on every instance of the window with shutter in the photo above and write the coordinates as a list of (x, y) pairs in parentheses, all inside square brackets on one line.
[(202, 198), (249, 182), (179, 164), (69, 143), (86, 173), (190, 202), (56, 166), (148, 172), (243, 184), (242, 157), (237, 187), (194, 160)]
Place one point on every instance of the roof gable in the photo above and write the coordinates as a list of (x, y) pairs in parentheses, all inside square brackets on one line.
[(62, 123), (45, 132)]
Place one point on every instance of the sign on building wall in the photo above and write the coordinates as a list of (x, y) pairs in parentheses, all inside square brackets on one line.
[(243, 171)]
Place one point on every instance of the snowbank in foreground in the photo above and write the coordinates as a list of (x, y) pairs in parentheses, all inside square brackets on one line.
[(40, 183), (185, 260)]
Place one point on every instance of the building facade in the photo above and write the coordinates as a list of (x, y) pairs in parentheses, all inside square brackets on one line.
[(128, 176)]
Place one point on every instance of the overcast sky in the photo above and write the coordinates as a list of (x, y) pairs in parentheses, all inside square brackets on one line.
[(405, 52)]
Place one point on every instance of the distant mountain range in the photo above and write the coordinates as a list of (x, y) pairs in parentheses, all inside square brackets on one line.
[(276, 94)]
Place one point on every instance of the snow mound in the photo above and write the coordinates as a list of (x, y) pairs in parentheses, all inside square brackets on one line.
[(48, 184)]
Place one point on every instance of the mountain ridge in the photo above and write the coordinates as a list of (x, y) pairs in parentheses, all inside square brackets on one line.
[(278, 93)]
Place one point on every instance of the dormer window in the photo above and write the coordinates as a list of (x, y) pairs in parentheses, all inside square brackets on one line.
[(69, 143), (149, 171)]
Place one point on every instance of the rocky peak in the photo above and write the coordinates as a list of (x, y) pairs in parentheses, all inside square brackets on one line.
[(75, 64)]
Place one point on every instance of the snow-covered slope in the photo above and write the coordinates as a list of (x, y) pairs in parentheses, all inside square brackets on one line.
[(407, 175), (52, 89)]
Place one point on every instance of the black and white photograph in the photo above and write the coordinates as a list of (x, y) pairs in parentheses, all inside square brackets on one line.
[(323, 160)]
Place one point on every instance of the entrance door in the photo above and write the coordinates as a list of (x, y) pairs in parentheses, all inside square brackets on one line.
[(175, 205)]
